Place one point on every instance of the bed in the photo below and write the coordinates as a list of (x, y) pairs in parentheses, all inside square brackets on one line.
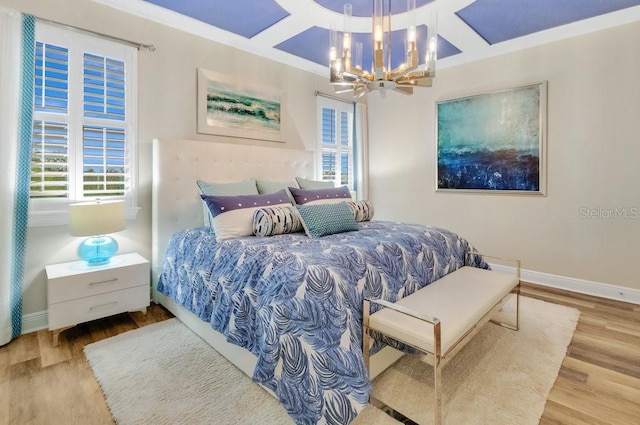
[(286, 310)]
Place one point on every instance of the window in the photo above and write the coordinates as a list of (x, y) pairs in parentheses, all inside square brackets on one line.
[(336, 147), (84, 131)]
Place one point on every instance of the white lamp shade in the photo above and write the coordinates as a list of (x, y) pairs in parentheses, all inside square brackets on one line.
[(96, 218)]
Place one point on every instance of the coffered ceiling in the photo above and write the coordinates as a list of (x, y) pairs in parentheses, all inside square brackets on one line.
[(296, 32)]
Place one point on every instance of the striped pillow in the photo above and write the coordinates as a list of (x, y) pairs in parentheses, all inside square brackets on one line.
[(276, 221), (362, 210)]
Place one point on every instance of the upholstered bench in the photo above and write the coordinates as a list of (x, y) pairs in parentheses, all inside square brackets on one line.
[(441, 317)]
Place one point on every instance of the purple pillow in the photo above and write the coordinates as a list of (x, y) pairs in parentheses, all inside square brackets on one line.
[(320, 196), (233, 215)]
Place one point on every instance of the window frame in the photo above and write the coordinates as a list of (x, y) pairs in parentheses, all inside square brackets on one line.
[(55, 211)]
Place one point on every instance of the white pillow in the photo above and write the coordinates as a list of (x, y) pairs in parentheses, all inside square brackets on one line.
[(233, 215)]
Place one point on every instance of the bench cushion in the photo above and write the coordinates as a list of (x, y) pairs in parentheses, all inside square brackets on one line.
[(459, 299)]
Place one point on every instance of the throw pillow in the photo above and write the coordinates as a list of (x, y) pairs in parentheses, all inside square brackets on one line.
[(362, 210), (270, 186), (273, 221), (233, 215), (326, 219), (320, 196), (245, 187), (314, 184)]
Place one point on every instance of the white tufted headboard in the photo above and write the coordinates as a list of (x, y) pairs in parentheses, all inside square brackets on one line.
[(177, 164)]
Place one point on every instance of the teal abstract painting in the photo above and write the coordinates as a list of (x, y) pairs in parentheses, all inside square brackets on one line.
[(229, 106), (492, 141)]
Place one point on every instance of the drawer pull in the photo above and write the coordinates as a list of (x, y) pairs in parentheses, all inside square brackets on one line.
[(107, 305), (102, 282)]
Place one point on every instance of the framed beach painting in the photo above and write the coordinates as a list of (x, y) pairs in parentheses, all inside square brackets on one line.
[(227, 107), (493, 142)]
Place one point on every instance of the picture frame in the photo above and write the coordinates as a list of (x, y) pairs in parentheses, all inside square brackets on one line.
[(493, 142), (230, 108)]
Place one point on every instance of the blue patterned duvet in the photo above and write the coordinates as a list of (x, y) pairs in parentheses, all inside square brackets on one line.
[(296, 302)]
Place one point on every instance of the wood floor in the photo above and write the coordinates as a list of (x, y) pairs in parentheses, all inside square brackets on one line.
[(599, 382)]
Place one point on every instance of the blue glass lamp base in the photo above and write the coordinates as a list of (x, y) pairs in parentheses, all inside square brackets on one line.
[(98, 250)]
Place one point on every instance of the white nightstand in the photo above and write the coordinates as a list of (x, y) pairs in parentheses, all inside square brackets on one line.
[(79, 293)]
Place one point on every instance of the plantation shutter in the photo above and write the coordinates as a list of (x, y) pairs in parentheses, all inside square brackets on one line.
[(104, 144), (336, 143), (50, 137), (346, 133), (104, 170), (103, 88), (329, 141), (49, 159)]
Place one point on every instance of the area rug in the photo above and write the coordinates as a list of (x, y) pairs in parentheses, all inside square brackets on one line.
[(165, 374)]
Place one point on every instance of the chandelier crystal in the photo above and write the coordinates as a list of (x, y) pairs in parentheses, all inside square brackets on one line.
[(346, 72)]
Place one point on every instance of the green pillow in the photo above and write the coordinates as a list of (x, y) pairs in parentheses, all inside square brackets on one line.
[(271, 186), (245, 187), (326, 219), (314, 184)]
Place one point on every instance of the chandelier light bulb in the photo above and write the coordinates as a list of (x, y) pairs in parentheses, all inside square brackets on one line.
[(378, 34), (359, 55), (346, 41), (333, 43), (411, 19), (411, 35)]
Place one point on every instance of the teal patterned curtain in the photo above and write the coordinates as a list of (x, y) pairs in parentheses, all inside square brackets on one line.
[(17, 50)]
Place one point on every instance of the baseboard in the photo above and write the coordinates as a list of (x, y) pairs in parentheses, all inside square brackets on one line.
[(587, 287), (32, 322)]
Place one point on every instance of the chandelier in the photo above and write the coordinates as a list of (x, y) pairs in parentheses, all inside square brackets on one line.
[(346, 72)]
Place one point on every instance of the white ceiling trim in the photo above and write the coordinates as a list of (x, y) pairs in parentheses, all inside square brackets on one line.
[(474, 51), (193, 26), (307, 13)]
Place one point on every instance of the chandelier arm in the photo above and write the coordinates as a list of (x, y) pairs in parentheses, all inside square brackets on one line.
[(404, 90), (418, 82), (359, 92), (343, 89), (354, 73), (409, 66)]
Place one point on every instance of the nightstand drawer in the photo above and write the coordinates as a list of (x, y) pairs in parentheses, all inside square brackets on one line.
[(96, 282), (85, 309)]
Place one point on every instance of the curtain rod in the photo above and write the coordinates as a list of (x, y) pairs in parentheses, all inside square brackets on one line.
[(149, 47), (319, 93)]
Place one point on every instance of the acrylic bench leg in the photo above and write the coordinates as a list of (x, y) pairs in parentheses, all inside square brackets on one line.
[(437, 391), (365, 335), (437, 402), (518, 307)]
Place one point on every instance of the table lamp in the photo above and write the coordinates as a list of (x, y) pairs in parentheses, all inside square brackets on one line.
[(97, 219)]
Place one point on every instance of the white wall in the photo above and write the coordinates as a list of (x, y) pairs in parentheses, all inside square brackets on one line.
[(593, 159), (167, 109)]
